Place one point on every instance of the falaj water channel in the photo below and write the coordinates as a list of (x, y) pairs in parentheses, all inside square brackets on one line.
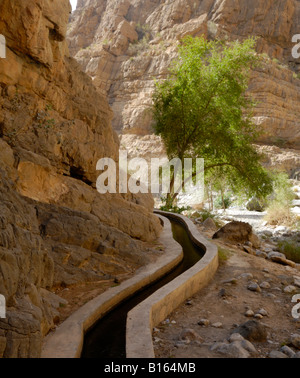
[(107, 339)]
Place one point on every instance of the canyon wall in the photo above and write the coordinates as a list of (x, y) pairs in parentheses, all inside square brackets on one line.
[(124, 45), (56, 230)]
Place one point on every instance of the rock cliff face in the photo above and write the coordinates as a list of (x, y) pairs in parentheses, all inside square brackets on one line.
[(56, 230), (125, 44)]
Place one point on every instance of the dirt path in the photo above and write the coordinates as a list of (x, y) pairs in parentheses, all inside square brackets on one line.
[(222, 306)]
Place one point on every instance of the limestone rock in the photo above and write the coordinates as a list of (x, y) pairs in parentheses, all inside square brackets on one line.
[(253, 286), (237, 347), (295, 340), (210, 224), (288, 351), (252, 331), (238, 232), (255, 205), (280, 258), (275, 354), (123, 45), (189, 334), (204, 322), (297, 281), (55, 228)]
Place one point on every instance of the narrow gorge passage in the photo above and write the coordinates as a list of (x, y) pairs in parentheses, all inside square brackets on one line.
[(107, 339)]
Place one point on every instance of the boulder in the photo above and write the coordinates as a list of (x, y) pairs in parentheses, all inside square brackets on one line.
[(280, 258), (254, 204), (252, 331), (238, 233), (209, 224), (295, 340)]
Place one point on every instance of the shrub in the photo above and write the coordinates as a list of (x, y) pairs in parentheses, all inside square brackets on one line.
[(223, 202), (138, 47), (280, 214), (291, 250), (174, 209), (280, 203), (224, 255), (205, 214)]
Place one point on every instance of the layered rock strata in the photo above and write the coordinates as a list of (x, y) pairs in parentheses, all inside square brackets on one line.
[(56, 230), (125, 45)]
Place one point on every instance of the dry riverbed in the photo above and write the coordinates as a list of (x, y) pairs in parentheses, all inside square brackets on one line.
[(246, 288)]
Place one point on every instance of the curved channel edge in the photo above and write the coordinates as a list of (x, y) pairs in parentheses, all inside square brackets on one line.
[(67, 340), (143, 318)]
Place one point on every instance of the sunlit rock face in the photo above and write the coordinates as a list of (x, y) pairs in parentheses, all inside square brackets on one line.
[(56, 230), (124, 45)]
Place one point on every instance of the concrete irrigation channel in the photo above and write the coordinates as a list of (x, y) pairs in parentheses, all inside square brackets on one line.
[(119, 323)]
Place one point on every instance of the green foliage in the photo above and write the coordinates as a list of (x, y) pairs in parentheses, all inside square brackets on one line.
[(282, 190), (202, 111), (43, 118), (171, 207), (291, 250), (223, 202), (216, 182), (205, 214), (144, 36), (224, 255), (144, 31), (138, 47), (174, 208)]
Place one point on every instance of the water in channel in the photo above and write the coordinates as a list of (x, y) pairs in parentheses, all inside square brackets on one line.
[(107, 339)]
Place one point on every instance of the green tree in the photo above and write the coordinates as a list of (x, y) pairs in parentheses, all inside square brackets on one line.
[(202, 110)]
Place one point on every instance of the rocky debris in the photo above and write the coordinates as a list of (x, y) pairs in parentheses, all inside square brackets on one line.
[(249, 313), (217, 325), (235, 347), (189, 335), (288, 351), (295, 340), (252, 331), (277, 354), (238, 232), (297, 281), (265, 285), (246, 276), (290, 289), (280, 258), (262, 319), (254, 286), (261, 254), (263, 312), (248, 249), (204, 322)]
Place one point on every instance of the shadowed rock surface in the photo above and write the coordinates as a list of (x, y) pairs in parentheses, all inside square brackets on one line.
[(56, 230)]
